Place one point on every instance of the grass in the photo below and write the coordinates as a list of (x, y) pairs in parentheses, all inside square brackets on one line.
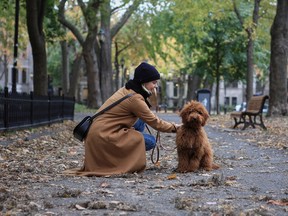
[(80, 108)]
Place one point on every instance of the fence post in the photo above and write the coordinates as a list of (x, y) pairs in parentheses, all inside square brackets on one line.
[(6, 110), (62, 107), (49, 109), (31, 108), (73, 110)]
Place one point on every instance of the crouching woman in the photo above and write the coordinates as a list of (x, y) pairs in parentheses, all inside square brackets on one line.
[(113, 145)]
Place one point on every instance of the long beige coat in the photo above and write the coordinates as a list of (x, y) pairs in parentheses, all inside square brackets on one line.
[(112, 146)]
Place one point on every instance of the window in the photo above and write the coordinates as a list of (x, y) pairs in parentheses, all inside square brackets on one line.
[(234, 101), (175, 92), (227, 101), (24, 76), (233, 84)]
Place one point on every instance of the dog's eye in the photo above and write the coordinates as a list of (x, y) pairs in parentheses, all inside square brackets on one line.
[(200, 112)]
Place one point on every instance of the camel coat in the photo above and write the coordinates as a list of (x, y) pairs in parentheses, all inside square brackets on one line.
[(112, 146)]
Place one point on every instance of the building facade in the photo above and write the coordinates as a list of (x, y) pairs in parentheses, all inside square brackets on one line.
[(24, 73)]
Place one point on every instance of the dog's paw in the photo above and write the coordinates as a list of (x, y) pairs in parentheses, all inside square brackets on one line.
[(187, 170), (211, 167), (179, 170)]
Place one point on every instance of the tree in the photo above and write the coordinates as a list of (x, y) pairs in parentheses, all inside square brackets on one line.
[(250, 30), (209, 51), (132, 44), (7, 33), (35, 11), (279, 61), (6, 38), (106, 45), (88, 44), (97, 54), (55, 35)]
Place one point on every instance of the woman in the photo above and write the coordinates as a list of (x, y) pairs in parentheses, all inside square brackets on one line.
[(112, 145)]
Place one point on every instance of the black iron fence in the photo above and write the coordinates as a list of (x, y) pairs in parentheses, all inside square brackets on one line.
[(19, 110)]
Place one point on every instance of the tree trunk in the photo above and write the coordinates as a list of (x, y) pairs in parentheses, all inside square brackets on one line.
[(219, 58), (105, 56), (116, 65), (88, 47), (279, 61), (180, 101), (94, 94), (194, 82), (65, 67), (75, 75), (35, 15), (250, 44), (250, 50), (217, 93), (250, 68)]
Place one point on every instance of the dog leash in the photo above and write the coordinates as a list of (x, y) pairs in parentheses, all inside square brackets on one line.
[(157, 147)]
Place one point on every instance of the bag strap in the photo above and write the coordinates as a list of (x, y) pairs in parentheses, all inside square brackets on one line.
[(112, 105)]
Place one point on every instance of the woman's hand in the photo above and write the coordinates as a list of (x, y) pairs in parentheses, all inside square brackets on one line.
[(178, 125)]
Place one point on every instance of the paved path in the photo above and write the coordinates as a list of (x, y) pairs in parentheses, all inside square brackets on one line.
[(252, 181), (259, 169)]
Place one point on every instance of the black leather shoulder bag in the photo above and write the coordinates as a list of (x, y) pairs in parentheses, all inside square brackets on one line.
[(82, 128)]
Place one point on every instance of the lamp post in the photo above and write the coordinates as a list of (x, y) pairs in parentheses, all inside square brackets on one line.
[(14, 69)]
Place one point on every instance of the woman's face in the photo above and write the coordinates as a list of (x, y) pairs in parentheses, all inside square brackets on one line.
[(150, 86)]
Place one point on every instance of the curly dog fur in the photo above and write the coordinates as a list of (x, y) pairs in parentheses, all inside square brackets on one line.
[(193, 148)]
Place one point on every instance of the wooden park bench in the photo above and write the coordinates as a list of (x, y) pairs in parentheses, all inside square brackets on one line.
[(249, 116)]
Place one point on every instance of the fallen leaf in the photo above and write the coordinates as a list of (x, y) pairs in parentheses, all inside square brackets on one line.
[(104, 184), (79, 207), (172, 176), (278, 202)]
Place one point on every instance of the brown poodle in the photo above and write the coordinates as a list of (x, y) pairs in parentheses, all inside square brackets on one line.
[(193, 148)]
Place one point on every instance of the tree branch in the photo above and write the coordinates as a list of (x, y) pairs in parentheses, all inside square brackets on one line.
[(238, 13), (115, 29), (66, 23)]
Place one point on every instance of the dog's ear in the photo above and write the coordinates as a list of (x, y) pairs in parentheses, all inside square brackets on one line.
[(204, 122), (185, 112), (205, 118)]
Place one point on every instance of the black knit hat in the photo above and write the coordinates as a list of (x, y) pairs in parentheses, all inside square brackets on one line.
[(145, 73)]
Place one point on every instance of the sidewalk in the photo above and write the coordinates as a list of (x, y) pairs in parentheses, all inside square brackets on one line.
[(252, 180)]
